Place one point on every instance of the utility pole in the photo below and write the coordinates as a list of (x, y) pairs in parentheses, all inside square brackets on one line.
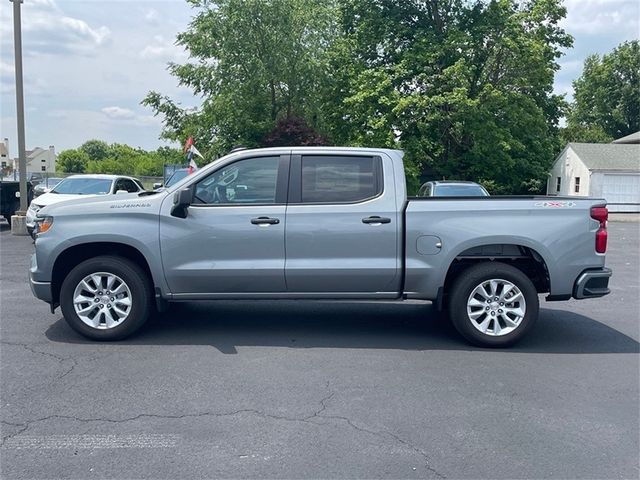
[(20, 223)]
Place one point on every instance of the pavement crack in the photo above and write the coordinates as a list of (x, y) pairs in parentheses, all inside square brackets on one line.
[(309, 419), (60, 359)]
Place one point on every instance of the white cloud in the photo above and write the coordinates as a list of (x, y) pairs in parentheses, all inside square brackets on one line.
[(47, 30), (602, 16), (32, 85), (163, 49), (152, 16), (126, 115), (118, 112)]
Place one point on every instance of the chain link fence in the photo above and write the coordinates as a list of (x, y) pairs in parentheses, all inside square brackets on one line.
[(50, 179)]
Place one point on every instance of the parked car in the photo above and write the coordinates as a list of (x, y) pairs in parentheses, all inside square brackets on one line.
[(46, 185), (452, 188), (82, 186), (351, 233), (175, 177), (10, 197)]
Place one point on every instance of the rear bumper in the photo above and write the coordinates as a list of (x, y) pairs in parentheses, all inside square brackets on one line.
[(592, 283)]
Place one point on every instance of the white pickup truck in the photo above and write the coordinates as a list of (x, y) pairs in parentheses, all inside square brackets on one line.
[(316, 223)]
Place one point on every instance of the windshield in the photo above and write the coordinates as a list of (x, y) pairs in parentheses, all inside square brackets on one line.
[(83, 186), (460, 191), (176, 177), (49, 182)]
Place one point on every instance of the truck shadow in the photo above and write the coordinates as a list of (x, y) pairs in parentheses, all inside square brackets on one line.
[(408, 326)]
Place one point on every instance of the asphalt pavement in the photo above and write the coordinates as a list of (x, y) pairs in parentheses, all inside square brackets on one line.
[(321, 390)]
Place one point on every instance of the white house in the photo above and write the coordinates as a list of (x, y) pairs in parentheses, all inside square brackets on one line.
[(4, 154), (41, 160), (607, 170)]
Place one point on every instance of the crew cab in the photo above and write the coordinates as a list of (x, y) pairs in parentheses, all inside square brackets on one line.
[(316, 223)]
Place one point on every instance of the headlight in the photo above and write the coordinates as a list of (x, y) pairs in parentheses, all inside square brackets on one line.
[(43, 225)]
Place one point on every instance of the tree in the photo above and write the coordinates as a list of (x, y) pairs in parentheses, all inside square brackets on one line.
[(607, 96), (72, 161), (293, 131), (465, 88), (95, 149), (254, 62)]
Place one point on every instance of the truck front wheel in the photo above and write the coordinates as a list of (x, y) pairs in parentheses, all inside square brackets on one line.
[(493, 304), (106, 298)]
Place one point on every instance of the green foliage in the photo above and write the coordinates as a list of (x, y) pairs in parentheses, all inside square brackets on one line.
[(464, 87), (95, 149), (253, 62), (72, 161), (607, 96), (575, 132), (118, 159)]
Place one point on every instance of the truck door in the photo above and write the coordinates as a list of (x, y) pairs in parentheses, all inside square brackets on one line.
[(342, 225), (232, 240)]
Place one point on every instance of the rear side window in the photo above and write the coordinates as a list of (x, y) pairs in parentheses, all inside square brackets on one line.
[(332, 179)]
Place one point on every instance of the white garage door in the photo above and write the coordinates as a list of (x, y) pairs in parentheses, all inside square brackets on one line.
[(622, 189)]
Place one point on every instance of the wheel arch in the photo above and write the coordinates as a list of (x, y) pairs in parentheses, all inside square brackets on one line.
[(75, 254), (524, 257)]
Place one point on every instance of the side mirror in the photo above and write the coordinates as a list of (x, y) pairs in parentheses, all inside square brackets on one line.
[(157, 185), (121, 192), (181, 201)]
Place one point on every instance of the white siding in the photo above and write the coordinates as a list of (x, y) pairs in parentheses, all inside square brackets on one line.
[(568, 166), (43, 158)]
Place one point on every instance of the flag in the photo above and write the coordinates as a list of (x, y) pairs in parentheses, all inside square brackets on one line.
[(192, 166), (188, 144), (191, 150), (195, 151)]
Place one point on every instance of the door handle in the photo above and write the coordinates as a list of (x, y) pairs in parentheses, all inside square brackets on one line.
[(265, 221), (376, 220)]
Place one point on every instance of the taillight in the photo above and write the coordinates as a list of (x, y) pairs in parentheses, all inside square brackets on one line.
[(601, 214)]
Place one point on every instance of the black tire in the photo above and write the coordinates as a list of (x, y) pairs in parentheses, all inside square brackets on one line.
[(135, 278), (8, 219), (460, 295)]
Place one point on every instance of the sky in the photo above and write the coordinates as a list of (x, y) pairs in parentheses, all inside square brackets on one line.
[(89, 63)]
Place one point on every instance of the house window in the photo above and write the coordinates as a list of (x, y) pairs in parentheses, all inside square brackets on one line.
[(558, 182), (577, 187)]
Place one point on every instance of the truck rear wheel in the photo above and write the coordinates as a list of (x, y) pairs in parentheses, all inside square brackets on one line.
[(493, 304), (106, 298)]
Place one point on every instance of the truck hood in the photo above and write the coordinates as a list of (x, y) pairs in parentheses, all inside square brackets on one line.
[(47, 199), (111, 204)]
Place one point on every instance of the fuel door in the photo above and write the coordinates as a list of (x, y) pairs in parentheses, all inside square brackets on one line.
[(428, 245)]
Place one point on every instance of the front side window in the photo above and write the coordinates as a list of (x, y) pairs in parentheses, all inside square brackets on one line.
[(330, 179), (126, 184), (246, 182)]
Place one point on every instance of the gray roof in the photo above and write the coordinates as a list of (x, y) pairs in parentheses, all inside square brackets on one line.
[(633, 138), (608, 156)]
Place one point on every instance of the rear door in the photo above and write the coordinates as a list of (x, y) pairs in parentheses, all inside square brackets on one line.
[(342, 220)]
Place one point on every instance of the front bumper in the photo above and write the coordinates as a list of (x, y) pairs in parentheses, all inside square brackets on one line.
[(31, 218), (41, 290), (592, 283)]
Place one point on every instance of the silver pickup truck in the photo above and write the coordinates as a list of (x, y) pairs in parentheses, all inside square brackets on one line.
[(316, 223)]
